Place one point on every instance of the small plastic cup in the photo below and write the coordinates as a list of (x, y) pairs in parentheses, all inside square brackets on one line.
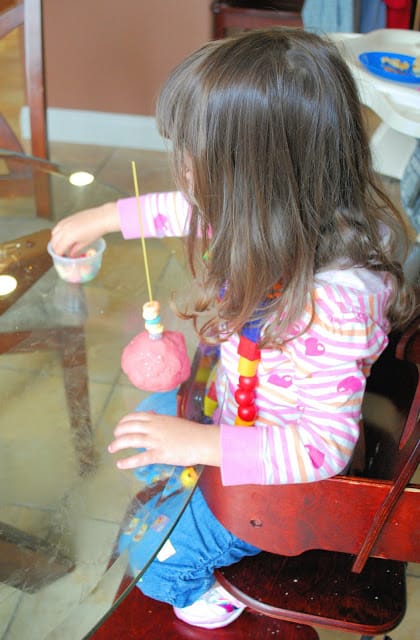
[(82, 268)]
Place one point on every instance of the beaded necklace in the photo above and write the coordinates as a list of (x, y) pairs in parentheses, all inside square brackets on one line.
[(249, 359)]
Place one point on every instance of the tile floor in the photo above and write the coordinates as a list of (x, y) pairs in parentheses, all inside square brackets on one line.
[(110, 397)]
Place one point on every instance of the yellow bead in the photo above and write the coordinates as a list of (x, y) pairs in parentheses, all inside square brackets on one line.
[(209, 406), (202, 375), (247, 368), (188, 477)]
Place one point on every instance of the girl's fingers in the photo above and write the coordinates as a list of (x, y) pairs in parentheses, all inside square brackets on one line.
[(132, 462), (139, 416), (64, 246), (75, 249), (133, 423), (133, 441)]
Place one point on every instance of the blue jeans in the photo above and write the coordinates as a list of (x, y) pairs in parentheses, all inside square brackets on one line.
[(199, 543)]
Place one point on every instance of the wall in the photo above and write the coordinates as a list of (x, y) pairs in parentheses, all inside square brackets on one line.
[(113, 56), (109, 57)]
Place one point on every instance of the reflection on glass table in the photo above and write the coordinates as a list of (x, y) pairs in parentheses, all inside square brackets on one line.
[(66, 511)]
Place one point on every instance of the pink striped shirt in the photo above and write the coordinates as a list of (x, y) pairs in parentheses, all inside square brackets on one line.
[(310, 391)]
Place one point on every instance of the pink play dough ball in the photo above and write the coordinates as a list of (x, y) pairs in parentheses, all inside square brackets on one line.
[(156, 365)]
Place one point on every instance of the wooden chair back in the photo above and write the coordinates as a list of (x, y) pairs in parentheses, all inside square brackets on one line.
[(28, 15), (18, 181)]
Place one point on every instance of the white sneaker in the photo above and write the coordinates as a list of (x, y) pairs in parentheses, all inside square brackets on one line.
[(216, 608)]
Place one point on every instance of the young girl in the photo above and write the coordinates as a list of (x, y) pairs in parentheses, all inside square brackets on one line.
[(293, 246)]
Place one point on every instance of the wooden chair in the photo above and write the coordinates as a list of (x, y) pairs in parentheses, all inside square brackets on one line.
[(19, 180), (245, 14), (334, 551)]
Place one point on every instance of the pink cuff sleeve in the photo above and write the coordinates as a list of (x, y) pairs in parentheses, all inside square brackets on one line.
[(129, 219), (165, 214), (241, 458)]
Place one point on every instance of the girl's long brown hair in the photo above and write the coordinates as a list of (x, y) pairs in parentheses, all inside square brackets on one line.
[(270, 124)]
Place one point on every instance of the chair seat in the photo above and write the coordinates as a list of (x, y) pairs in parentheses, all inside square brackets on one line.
[(139, 617), (318, 587)]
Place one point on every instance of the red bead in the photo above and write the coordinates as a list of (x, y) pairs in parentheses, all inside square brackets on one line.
[(244, 396), (248, 349), (211, 392), (248, 412), (248, 382)]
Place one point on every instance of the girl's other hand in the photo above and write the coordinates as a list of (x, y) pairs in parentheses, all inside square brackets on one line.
[(72, 234), (166, 440)]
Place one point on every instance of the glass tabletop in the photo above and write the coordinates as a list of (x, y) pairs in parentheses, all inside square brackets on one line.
[(68, 517)]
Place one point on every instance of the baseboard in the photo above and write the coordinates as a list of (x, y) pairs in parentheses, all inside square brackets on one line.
[(99, 128)]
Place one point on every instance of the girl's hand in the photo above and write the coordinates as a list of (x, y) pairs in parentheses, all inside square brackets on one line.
[(166, 440), (71, 235)]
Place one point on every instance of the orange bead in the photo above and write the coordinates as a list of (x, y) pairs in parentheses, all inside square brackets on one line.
[(243, 423)]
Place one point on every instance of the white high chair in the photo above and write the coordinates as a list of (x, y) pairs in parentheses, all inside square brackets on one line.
[(396, 103)]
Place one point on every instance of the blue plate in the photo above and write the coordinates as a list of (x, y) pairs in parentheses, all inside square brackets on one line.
[(391, 66)]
